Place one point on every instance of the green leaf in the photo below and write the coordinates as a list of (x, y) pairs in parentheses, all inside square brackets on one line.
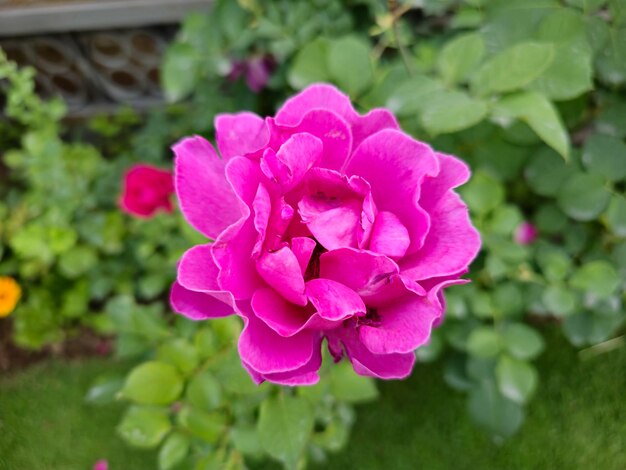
[(179, 353), (246, 440), (497, 414), (590, 328), (483, 193), (584, 196), (347, 386), (596, 277), (104, 390), (451, 111), (554, 262), (513, 68), (460, 57), (174, 450), (153, 383), (605, 156), (521, 341), (350, 64), (409, 97), (539, 113), (310, 64), (285, 425), (484, 342), (569, 75), (180, 71), (208, 426), (144, 426), (616, 215), (547, 172), (204, 392), (517, 380), (559, 300)]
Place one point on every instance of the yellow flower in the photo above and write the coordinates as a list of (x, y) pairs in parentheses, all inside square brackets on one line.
[(10, 293)]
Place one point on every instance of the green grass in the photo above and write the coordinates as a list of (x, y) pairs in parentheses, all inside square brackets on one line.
[(45, 425), (577, 421)]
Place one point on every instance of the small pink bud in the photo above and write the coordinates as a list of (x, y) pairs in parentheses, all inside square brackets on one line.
[(525, 234), (101, 465)]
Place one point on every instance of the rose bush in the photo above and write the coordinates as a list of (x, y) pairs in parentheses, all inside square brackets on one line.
[(327, 224)]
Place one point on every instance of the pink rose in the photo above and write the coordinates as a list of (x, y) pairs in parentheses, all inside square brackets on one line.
[(327, 224), (146, 190), (525, 234)]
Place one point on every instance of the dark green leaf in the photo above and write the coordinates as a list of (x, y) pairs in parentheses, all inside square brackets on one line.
[(584, 196)]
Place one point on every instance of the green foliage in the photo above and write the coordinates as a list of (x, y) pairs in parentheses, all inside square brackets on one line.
[(530, 94)]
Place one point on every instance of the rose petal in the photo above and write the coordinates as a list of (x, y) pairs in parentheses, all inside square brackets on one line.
[(362, 271), (305, 375), (281, 270), (404, 326), (389, 236), (205, 197), (395, 165), (319, 96), (302, 248), (240, 134), (267, 352), (283, 317), (451, 245), (334, 301), (199, 305), (374, 121), (382, 366)]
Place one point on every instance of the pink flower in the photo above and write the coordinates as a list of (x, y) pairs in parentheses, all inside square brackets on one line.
[(146, 190), (101, 465), (256, 71), (525, 233), (327, 225)]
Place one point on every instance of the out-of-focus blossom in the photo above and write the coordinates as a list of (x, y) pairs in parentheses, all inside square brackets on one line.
[(146, 190), (256, 71), (525, 233), (101, 465), (10, 293)]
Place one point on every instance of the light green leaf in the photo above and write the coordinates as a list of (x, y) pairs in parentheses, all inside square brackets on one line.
[(513, 68), (539, 113), (310, 64), (180, 353), (483, 193), (285, 425), (104, 390), (460, 57), (144, 426), (347, 386), (350, 64), (616, 215), (174, 450), (596, 277), (517, 380), (204, 392), (180, 71), (569, 75), (451, 111), (208, 426), (521, 341), (559, 300), (484, 342), (409, 97), (584, 196), (153, 383)]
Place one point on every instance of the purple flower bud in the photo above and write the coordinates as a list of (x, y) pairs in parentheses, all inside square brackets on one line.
[(525, 234)]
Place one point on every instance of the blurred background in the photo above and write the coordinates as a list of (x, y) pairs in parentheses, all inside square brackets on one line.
[(96, 372)]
